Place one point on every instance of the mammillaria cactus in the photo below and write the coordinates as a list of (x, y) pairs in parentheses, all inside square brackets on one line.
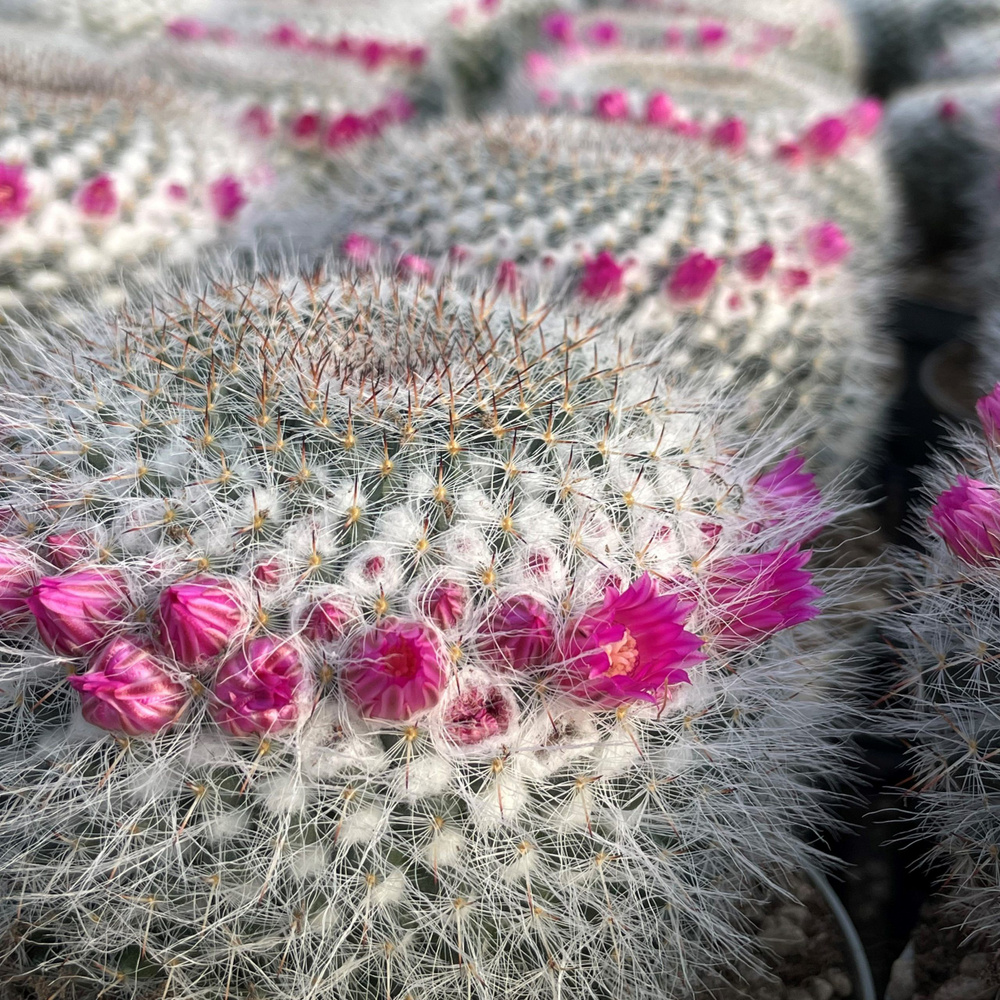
[(947, 705), (101, 178), (461, 652)]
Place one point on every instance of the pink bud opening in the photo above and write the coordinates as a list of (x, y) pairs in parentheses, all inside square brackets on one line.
[(603, 33), (507, 279), (445, 603), (988, 411), (967, 517), (788, 495), (659, 109), (730, 135), (558, 27), (517, 635), (826, 138), (198, 620), (477, 714), (76, 611), (790, 153), (827, 244), (712, 34), (412, 266), (98, 198), (327, 619), (227, 197), (18, 574), (14, 192), (754, 264), (306, 126), (603, 277), (358, 248)]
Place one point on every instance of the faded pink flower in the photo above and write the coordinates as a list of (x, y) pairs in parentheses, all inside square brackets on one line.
[(789, 495), (711, 34), (306, 126), (126, 689), (67, 548), (865, 116), (261, 689), (507, 279), (612, 105), (326, 620), (98, 197), (14, 192), (76, 611), (396, 671), (754, 264), (18, 574), (445, 603), (603, 33), (603, 277), (199, 619), (517, 634), (988, 411), (227, 197), (967, 517), (412, 266), (826, 138), (258, 122), (537, 66), (794, 278), (628, 649), (558, 26), (827, 243), (267, 573), (177, 192), (358, 248), (659, 109), (478, 713), (730, 134), (693, 277), (755, 595)]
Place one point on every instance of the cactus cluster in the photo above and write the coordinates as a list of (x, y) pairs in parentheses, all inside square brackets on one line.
[(365, 638)]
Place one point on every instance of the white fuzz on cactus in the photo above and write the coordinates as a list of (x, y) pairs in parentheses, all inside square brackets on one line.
[(103, 180), (947, 706), (366, 639)]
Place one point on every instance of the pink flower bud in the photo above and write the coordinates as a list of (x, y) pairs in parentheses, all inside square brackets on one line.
[(198, 620), (70, 547), (261, 689), (988, 410), (507, 278), (864, 117), (347, 130), (659, 109), (98, 197), (612, 105), (412, 266), (480, 712), (558, 27), (267, 573), (445, 603), (396, 671), (358, 248), (753, 596), (967, 517), (14, 192), (711, 34), (754, 264), (788, 495), (517, 634), (126, 689), (227, 197), (603, 277), (826, 138), (258, 122), (790, 153), (306, 126), (326, 620), (794, 278), (76, 611), (693, 277), (827, 243), (18, 573), (603, 33), (628, 649), (730, 134)]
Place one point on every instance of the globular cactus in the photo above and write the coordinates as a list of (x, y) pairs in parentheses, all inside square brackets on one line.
[(944, 632), (102, 180), (370, 639), (666, 230)]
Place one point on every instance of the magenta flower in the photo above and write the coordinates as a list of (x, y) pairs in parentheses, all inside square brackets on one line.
[(628, 649), (258, 122), (755, 595), (261, 689), (865, 116), (227, 197), (517, 634), (603, 33), (358, 248), (14, 192), (730, 134), (826, 138), (712, 34), (988, 410), (327, 619), (306, 126), (612, 105), (126, 689), (558, 26), (967, 517), (346, 130), (396, 671), (789, 494), (478, 713), (18, 573), (76, 611), (754, 264), (603, 277), (98, 197), (445, 603), (412, 266), (199, 619), (507, 279), (659, 109), (693, 277), (827, 243), (70, 547)]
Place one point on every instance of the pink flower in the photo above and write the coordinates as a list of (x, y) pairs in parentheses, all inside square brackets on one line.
[(326, 620), (693, 277), (261, 689), (730, 134), (98, 197), (70, 547), (865, 116), (558, 26), (790, 153), (187, 29), (227, 197), (826, 138), (712, 34), (76, 611), (755, 595), (967, 517), (628, 649), (517, 634), (949, 110), (18, 573), (988, 411), (396, 671), (198, 620), (603, 33), (258, 122), (412, 266), (358, 248), (306, 126), (445, 603), (478, 713), (346, 130), (827, 243), (126, 689), (14, 191), (754, 264), (612, 105), (507, 279), (603, 277), (789, 495), (659, 109)]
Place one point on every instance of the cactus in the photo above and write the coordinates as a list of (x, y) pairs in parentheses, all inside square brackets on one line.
[(103, 179), (947, 700), (366, 638), (972, 52)]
